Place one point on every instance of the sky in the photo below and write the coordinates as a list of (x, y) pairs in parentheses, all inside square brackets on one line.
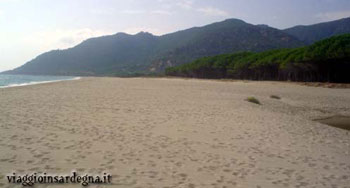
[(31, 27)]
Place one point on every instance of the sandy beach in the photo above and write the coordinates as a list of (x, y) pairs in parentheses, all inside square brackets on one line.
[(160, 132)]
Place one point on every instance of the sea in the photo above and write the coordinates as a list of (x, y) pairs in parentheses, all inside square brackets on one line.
[(23, 80)]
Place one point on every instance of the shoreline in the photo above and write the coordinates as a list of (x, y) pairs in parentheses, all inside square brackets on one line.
[(329, 85), (37, 83)]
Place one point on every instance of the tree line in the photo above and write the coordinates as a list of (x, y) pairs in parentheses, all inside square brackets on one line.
[(324, 61)]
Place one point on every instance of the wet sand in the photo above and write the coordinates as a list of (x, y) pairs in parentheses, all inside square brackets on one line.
[(158, 132), (342, 122)]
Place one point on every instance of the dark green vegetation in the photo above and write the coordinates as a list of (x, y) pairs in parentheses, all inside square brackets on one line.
[(122, 54), (325, 61), (275, 97), (313, 33), (253, 100)]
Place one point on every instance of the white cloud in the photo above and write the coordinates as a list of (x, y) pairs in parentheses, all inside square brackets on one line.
[(25, 47), (106, 11), (10, 1), (211, 11), (61, 39), (134, 30), (162, 12), (185, 4), (132, 12), (329, 16)]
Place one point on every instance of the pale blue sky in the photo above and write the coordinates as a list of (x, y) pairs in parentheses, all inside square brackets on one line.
[(31, 27)]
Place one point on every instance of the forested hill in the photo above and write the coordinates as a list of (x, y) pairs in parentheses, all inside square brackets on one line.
[(229, 36), (325, 61), (316, 32), (123, 54)]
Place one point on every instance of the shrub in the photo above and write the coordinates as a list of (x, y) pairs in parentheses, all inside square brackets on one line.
[(253, 100), (275, 97)]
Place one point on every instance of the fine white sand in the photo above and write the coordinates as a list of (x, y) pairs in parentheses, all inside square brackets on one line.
[(176, 133)]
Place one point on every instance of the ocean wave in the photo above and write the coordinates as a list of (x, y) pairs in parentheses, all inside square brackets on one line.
[(37, 82)]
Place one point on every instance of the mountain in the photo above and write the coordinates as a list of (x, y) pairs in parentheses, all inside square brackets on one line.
[(229, 36), (325, 61), (95, 56), (313, 33), (123, 54)]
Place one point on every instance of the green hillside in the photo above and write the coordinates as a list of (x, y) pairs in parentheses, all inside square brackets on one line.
[(326, 60), (316, 32), (123, 54)]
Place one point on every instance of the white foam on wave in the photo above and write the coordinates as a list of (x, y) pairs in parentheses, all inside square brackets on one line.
[(38, 82)]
